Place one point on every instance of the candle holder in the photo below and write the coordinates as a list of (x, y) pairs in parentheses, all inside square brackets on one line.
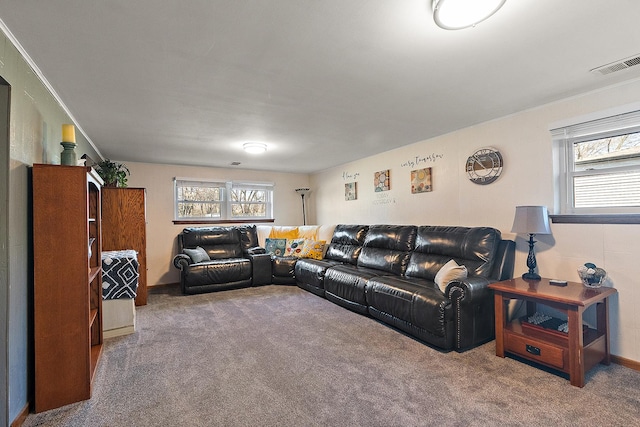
[(68, 156)]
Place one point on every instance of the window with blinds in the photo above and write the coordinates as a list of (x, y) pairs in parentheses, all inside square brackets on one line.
[(222, 200), (600, 165)]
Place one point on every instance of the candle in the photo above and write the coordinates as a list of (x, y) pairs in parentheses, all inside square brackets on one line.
[(68, 133)]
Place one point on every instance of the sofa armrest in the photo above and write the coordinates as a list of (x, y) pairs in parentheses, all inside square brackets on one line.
[(472, 302), (181, 261), (256, 250), (469, 290), (260, 268)]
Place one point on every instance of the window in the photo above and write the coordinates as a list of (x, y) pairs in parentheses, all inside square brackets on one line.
[(222, 201), (600, 166)]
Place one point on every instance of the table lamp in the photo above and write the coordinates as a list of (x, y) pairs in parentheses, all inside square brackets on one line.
[(531, 220)]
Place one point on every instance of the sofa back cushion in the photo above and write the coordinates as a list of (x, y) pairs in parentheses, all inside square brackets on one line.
[(475, 248), (219, 242), (346, 243), (388, 248), (248, 237)]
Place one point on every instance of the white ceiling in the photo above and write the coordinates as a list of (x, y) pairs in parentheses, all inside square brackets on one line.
[(322, 82)]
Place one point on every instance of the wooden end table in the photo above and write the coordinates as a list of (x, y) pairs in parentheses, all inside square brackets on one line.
[(574, 352)]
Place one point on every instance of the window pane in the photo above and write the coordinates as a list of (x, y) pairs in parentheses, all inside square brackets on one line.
[(245, 195), (248, 209), (623, 150), (198, 210), (201, 194), (607, 190)]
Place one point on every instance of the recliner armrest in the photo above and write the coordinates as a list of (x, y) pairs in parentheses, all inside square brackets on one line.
[(261, 268), (256, 250), (181, 261), (471, 289)]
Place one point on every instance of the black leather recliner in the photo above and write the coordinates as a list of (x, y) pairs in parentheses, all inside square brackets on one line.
[(236, 260)]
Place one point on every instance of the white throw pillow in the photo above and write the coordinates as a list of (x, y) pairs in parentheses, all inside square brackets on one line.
[(448, 273)]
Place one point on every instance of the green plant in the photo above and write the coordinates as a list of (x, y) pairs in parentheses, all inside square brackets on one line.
[(113, 174)]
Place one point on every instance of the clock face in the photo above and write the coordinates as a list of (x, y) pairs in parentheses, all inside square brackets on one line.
[(484, 166)]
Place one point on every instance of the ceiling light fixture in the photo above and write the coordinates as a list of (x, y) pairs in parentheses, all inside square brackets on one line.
[(254, 147), (458, 14)]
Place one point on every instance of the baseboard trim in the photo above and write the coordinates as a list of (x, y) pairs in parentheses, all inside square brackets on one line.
[(22, 416), (627, 363)]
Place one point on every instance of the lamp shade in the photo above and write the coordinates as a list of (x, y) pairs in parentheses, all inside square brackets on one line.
[(531, 220)]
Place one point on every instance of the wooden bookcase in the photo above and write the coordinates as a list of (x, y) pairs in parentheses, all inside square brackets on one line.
[(124, 226), (67, 275)]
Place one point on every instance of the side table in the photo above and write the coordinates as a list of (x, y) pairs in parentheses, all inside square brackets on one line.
[(573, 352)]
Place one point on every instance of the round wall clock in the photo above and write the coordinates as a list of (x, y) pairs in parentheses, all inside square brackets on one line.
[(484, 166)]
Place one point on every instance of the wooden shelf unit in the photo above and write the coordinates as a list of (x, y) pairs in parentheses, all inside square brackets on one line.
[(124, 226), (67, 300)]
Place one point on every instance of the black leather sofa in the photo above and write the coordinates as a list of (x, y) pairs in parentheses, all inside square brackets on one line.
[(385, 271), (390, 277), (235, 259)]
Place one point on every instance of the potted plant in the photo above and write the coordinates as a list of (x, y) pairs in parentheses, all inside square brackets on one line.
[(113, 174)]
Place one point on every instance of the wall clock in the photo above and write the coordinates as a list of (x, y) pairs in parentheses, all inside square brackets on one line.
[(484, 166)]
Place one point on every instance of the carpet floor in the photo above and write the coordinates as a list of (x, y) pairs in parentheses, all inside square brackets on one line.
[(281, 356)]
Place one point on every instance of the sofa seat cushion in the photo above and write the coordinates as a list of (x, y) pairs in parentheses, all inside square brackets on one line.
[(415, 301), (218, 271), (310, 274), (346, 285)]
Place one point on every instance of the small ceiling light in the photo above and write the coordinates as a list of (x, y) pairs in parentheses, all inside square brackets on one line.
[(254, 147), (458, 14)]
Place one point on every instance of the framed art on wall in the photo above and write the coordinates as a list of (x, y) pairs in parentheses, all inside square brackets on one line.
[(382, 181), (421, 181), (351, 191)]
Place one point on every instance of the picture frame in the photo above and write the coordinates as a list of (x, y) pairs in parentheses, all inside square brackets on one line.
[(382, 180), (421, 181), (351, 191)]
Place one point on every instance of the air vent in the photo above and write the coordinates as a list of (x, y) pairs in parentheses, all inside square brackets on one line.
[(617, 66), (235, 163)]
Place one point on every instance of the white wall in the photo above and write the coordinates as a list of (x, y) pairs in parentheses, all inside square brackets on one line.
[(527, 179), (161, 232)]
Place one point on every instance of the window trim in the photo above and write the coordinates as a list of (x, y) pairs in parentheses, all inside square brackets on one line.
[(225, 203), (563, 138)]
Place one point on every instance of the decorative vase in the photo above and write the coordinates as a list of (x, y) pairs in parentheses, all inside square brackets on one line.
[(68, 156)]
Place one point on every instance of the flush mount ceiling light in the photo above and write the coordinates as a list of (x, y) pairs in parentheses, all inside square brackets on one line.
[(254, 147), (458, 14)]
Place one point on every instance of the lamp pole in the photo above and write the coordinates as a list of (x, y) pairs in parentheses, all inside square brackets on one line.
[(302, 192)]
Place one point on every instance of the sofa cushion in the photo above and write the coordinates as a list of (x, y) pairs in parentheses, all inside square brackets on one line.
[(283, 232), (448, 273), (197, 255), (276, 247), (294, 247), (388, 248), (313, 249), (219, 242), (476, 248), (346, 243)]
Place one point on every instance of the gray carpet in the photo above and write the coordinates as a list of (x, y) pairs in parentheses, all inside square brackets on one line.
[(281, 356)]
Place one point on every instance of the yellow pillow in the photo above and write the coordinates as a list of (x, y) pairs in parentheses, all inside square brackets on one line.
[(313, 249), (283, 232), (308, 232)]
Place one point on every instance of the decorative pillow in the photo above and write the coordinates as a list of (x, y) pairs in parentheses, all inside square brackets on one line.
[(313, 249), (283, 232), (275, 246), (197, 255), (294, 247), (448, 273)]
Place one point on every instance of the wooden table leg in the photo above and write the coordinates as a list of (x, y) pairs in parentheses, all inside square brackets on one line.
[(576, 355), (500, 323), (602, 317)]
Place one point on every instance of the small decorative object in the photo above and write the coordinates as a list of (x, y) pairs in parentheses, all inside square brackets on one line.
[(421, 181), (382, 181), (350, 191), (531, 220), (302, 192), (591, 276), (68, 156), (112, 173), (484, 166), (91, 240)]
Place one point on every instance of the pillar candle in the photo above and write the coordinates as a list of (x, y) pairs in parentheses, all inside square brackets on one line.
[(68, 133)]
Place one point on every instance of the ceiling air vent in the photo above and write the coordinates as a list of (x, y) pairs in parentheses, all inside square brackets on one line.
[(618, 65), (235, 163)]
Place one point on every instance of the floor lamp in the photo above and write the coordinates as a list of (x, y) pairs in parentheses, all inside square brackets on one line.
[(302, 192)]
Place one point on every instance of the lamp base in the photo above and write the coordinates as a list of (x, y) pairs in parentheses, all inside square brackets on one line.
[(531, 276)]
